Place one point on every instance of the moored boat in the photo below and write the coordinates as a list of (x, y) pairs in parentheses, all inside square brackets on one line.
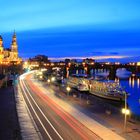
[(79, 82), (107, 89), (104, 89)]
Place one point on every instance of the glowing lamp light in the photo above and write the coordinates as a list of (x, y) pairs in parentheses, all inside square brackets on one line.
[(125, 111), (107, 63), (84, 82), (92, 63), (52, 64), (85, 68), (90, 86), (48, 80), (117, 63), (25, 63), (53, 79), (84, 63), (68, 89), (69, 64), (138, 64)]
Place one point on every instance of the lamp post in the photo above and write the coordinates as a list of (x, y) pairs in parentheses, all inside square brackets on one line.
[(126, 112), (53, 79), (48, 81), (90, 87), (68, 90)]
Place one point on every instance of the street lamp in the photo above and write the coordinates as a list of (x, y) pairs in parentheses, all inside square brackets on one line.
[(68, 89), (90, 87), (48, 81), (126, 112), (41, 77), (53, 79)]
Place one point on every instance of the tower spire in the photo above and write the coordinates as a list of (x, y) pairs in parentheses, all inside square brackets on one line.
[(1, 41), (1, 48), (14, 43)]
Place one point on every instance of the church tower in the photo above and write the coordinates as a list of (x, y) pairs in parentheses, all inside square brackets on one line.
[(14, 47), (14, 43), (1, 49)]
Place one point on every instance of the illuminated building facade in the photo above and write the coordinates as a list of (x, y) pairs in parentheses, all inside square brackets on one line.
[(11, 54)]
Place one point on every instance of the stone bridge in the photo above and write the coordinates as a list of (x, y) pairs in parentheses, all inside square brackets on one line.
[(112, 68)]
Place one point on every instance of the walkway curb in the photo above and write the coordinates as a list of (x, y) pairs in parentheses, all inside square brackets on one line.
[(28, 128)]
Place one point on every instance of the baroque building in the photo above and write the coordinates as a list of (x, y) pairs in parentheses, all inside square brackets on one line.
[(9, 55)]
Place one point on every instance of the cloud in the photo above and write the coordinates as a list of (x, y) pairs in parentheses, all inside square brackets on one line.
[(93, 57)]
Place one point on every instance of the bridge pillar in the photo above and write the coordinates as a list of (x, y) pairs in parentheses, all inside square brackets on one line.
[(112, 73), (138, 69)]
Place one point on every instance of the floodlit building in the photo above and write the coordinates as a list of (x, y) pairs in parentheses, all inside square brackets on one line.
[(9, 55)]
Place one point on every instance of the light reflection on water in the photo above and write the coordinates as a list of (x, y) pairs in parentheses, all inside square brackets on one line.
[(138, 83), (130, 81), (132, 87)]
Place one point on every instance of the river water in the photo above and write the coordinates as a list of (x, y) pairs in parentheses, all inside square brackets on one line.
[(132, 86)]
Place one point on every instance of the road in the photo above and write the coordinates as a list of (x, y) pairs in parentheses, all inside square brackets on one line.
[(53, 122)]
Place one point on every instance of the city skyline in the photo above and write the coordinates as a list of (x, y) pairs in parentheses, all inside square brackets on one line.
[(70, 70), (74, 28)]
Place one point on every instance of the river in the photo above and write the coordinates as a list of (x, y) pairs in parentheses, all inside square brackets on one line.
[(132, 86)]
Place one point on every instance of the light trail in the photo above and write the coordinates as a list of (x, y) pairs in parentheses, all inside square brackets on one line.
[(72, 122), (64, 117), (36, 114), (64, 120), (41, 110)]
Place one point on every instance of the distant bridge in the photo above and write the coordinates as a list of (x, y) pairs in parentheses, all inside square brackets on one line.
[(111, 67)]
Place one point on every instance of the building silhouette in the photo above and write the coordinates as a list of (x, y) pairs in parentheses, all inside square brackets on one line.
[(9, 55)]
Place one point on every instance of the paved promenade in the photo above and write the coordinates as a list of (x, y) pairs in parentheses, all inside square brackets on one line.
[(29, 130), (9, 126), (15, 121)]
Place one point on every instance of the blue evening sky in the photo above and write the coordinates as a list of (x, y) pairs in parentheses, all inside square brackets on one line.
[(73, 28)]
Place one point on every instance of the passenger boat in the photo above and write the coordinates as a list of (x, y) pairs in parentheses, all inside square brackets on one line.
[(104, 89), (107, 89), (79, 82)]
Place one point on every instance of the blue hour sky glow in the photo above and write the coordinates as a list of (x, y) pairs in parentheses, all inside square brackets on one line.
[(69, 28)]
